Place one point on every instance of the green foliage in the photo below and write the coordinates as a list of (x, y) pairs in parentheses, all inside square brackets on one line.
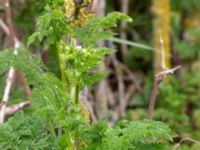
[(25, 132), (90, 33), (144, 133), (80, 61), (51, 25), (20, 61), (58, 121), (185, 53), (26, 15), (138, 58), (127, 135), (191, 5), (53, 60), (174, 97)]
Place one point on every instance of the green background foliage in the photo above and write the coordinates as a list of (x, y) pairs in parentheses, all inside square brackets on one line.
[(56, 120)]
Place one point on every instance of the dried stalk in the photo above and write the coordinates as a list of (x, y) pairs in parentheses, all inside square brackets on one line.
[(132, 77), (158, 79), (101, 105), (123, 25), (119, 73), (183, 140), (11, 71), (21, 81), (10, 110), (4, 27), (111, 96), (8, 13), (9, 81), (129, 93)]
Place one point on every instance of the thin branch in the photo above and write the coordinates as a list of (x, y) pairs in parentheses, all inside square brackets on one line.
[(132, 77), (153, 99), (8, 13), (183, 140), (10, 110), (11, 72), (129, 93), (158, 79), (166, 72), (123, 34), (84, 99), (4, 27), (111, 96), (119, 75), (6, 93)]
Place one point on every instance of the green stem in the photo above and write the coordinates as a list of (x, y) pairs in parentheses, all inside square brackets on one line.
[(69, 142), (52, 131), (62, 71), (77, 90), (76, 140), (76, 99), (62, 66)]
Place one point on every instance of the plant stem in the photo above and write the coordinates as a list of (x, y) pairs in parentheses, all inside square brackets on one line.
[(62, 66), (76, 140), (11, 72), (152, 100), (69, 141), (76, 99), (158, 79), (77, 90), (52, 130), (63, 77)]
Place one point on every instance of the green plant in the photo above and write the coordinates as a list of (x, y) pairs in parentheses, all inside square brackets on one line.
[(56, 102)]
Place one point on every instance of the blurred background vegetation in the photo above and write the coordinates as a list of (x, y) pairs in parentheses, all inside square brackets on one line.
[(126, 91)]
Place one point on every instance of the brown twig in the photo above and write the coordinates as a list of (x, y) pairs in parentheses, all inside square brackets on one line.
[(21, 81), (183, 140), (129, 93), (8, 13), (10, 110), (4, 27), (153, 99), (91, 111), (158, 79), (11, 72), (132, 77), (123, 25), (119, 76), (111, 96), (84, 99)]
